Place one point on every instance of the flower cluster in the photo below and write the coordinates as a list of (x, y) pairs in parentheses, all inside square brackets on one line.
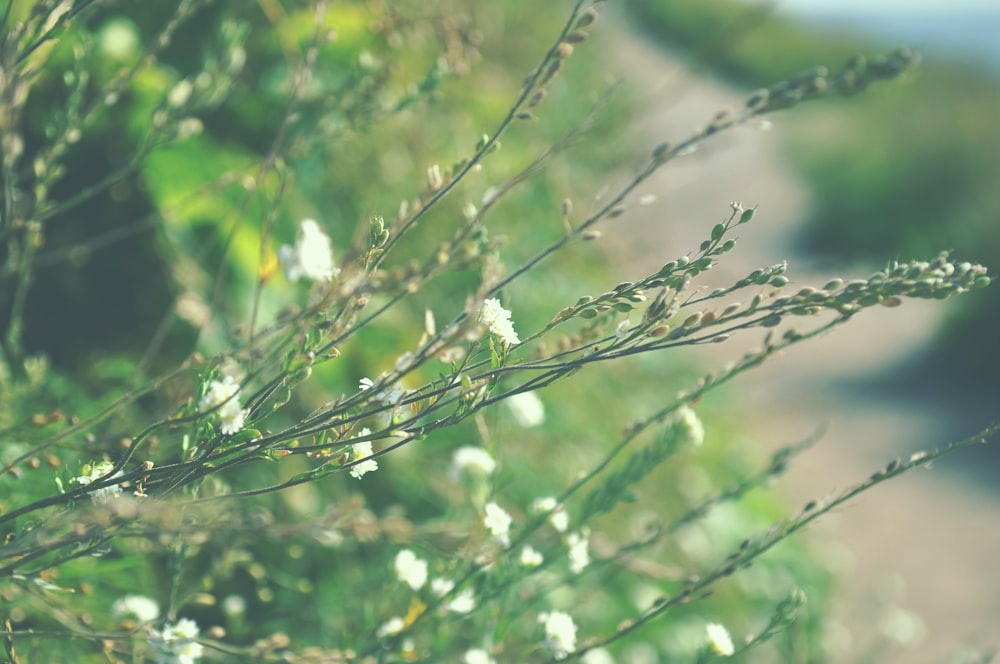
[(560, 633), (92, 473), (410, 570), (362, 452), (311, 256), (176, 643), (495, 317), (225, 395), (497, 521)]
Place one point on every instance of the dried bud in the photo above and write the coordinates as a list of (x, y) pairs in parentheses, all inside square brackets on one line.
[(587, 17), (758, 100), (661, 151)]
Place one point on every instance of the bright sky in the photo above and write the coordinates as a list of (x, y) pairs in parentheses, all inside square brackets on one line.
[(882, 6)]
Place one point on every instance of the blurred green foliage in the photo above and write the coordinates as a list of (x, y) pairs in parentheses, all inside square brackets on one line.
[(910, 169)]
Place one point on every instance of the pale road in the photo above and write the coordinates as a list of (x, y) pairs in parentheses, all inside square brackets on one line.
[(927, 542)]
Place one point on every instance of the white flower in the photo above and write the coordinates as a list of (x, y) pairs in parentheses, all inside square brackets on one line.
[(441, 586), (530, 557), (176, 643), (464, 602), (558, 516), (597, 656), (220, 392), (719, 640), (560, 633), (497, 319), (225, 395), (690, 426), (579, 553), (311, 257), (392, 626), (365, 384), (527, 409), (139, 607), (474, 460), (411, 570), (232, 417), (477, 656), (96, 472), (362, 451), (497, 521)]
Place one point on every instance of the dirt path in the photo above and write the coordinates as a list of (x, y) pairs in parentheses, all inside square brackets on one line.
[(928, 542)]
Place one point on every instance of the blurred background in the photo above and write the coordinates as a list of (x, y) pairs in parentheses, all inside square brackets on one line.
[(900, 171)]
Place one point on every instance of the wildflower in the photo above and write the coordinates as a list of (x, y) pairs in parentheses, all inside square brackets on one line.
[(94, 473), (690, 426), (411, 570), (497, 521), (176, 644), (463, 602), (392, 626), (530, 557), (527, 409), (139, 607), (497, 319), (225, 395), (477, 656), (311, 257), (719, 640), (560, 633), (557, 517), (474, 460), (579, 553), (362, 451)]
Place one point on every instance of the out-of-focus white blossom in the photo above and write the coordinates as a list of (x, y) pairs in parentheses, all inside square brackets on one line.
[(719, 640), (92, 473), (140, 607), (560, 633), (411, 570), (558, 517), (690, 426), (477, 656), (497, 521), (529, 557), (579, 551), (471, 459), (527, 409), (392, 626), (311, 256)]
